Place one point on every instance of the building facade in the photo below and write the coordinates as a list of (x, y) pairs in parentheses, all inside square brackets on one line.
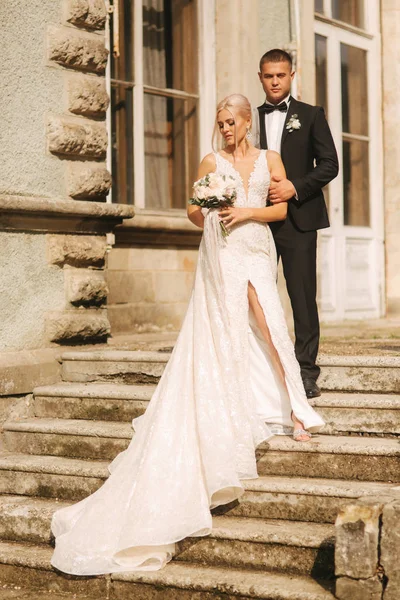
[(124, 92), (164, 87)]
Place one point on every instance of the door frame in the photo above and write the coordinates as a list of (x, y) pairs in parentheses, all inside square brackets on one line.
[(337, 241)]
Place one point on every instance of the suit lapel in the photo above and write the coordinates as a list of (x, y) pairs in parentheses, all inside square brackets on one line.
[(293, 109), (263, 133)]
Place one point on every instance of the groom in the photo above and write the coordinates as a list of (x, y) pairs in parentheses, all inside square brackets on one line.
[(301, 134)]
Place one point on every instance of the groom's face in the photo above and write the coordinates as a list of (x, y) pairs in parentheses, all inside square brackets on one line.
[(276, 79)]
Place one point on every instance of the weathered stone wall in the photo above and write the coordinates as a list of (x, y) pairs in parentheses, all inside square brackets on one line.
[(53, 65), (83, 316), (149, 287), (78, 134), (54, 144), (29, 286), (390, 11), (52, 283), (367, 550)]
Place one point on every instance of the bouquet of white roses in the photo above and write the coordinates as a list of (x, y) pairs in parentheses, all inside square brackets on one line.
[(215, 191)]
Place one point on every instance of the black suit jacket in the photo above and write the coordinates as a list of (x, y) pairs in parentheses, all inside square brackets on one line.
[(299, 149)]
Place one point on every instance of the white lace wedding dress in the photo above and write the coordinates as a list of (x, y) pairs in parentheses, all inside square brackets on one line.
[(219, 398)]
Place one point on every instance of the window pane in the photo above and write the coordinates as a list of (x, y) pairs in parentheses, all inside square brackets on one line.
[(321, 86), (349, 11), (355, 182), (121, 40), (354, 90), (170, 44), (320, 71), (122, 144), (319, 6), (171, 155)]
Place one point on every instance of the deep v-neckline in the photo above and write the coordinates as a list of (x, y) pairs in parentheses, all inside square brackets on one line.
[(249, 180)]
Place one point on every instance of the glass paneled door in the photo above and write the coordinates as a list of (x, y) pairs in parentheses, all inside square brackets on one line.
[(348, 86)]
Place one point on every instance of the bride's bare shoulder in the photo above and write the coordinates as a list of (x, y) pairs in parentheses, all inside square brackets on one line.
[(207, 165), (272, 156), (209, 160)]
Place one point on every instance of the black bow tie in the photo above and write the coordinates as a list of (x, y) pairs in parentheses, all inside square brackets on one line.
[(269, 108)]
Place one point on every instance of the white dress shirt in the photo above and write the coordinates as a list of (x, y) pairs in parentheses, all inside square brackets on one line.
[(274, 122)]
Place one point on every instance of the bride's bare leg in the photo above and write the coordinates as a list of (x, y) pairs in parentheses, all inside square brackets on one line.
[(259, 316)]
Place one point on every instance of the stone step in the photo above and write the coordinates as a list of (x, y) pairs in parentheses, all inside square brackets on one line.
[(26, 519), (118, 366), (359, 412), (289, 498), (21, 593), (343, 412), (97, 401), (272, 545), (333, 457), (377, 374), (29, 565), (301, 498), (288, 546), (177, 581), (50, 476), (67, 437)]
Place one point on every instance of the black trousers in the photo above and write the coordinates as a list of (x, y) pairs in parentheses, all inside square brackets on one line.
[(298, 252)]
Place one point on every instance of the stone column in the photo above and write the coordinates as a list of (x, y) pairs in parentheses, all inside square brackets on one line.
[(237, 48), (391, 123), (306, 53), (79, 131)]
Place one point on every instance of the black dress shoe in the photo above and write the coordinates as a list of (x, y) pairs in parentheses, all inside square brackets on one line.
[(311, 388)]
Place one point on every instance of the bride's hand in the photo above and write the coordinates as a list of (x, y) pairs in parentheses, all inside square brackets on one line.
[(231, 215)]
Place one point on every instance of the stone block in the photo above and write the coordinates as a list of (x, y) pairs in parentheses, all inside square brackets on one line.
[(146, 317), (77, 50), (76, 250), (358, 589), (126, 287), (390, 549), (80, 325), (90, 14), (357, 538), (77, 137), (86, 287), (87, 95), (21, 372), (173, 286), (153, 259), (88, 180)]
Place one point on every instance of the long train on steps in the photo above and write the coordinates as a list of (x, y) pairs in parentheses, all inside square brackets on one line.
[(220, 396)]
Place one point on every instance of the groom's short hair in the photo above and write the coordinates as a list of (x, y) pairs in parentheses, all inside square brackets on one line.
[(276, 55)]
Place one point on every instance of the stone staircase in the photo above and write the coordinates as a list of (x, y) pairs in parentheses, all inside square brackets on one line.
[(277, 543)]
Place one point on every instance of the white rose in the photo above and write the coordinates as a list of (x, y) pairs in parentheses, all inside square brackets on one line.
[(199, 192), (215, 182), (229, 191)]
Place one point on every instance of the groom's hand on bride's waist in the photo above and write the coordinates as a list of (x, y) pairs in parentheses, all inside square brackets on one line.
[(281, 190)]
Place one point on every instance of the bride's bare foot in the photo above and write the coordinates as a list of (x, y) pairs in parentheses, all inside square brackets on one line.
[(299, 433)]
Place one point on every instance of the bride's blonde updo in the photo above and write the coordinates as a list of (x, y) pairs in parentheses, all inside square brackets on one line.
[(236, 104)]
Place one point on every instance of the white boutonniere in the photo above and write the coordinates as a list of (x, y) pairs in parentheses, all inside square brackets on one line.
[(293, 123)]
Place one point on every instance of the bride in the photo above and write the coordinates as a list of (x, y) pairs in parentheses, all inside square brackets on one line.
[(231, 383)]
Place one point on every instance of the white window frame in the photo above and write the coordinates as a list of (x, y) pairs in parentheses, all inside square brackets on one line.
[(369, 40), (206, 85)]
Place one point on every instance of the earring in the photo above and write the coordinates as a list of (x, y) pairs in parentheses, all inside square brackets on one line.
[(248, 133)]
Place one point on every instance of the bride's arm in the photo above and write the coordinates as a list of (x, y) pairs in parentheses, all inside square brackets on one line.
[(269, 214), (194, 213)]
